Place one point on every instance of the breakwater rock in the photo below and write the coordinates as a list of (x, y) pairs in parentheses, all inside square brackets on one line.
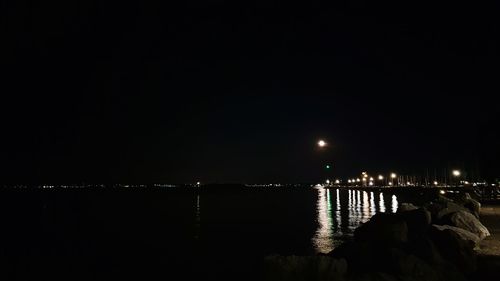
[(434, 242)]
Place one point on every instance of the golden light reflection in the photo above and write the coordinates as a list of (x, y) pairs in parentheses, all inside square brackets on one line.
[(323, 239), (198, 218), (373, 209), (366, 208), (338, 213), (361, 207), (394, 204), (381, 203)]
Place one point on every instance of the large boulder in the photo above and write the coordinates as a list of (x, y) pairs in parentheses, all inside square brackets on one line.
[(410, 267), (417, 220), (405, 207), (464, 234), (473, 206), (424, 248), (304, 268), (449, 208), (330, 269), (443, 208), (360, 256), (377, 276), (443, 199), (383, 229), (469, 222), (395, 264), (454, 248)]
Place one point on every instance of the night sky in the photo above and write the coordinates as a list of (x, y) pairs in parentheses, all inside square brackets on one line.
[(226, 91)]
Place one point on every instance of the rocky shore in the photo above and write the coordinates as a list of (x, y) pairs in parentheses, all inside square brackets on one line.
[(435, 242)]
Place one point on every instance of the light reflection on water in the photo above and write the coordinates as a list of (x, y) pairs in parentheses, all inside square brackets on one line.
[(381, 203), (360, 207), (394, 204), (324, 235), (198, 218)]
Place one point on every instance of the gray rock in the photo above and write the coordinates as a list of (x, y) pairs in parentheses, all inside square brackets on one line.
[(443, 199), (464, 234), (424, 248), (377, 276), (412, 268), (407, 207), (449, 208), (467, 196), (454, 249), (395, 264), (473, 206), (331, 269), (469, 222), (386, 229), (418, 221), (302, 268)]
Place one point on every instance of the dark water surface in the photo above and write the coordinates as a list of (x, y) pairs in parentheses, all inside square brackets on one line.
[(157, 234)]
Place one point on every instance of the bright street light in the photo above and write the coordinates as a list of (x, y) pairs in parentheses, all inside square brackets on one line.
[(380, 177), (393, 175), (456, 173)]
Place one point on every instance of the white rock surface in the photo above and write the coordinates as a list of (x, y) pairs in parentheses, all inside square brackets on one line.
[(469, 222)]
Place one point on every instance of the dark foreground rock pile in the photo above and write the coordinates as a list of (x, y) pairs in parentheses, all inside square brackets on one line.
[(434, 242)]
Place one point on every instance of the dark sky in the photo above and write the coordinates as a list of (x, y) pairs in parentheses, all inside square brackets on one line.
[(226, 91)]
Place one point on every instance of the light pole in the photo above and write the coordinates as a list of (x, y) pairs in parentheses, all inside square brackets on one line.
[(456, 174), (381, 179), (393, 176)]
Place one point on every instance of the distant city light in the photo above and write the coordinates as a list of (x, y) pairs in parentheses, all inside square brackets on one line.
[(371, 183), (390, 183), (393, 175), (328, 166), (380, 177), (371, 179), (435, 183), (358, 180), (337, 181), (198, 183), (456, 173), (442, 192), (349, 181), (321, 143), (328, 181), (364, 179)]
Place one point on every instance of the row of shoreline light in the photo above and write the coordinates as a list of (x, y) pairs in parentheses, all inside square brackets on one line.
[(365, 180), (370, 181)]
